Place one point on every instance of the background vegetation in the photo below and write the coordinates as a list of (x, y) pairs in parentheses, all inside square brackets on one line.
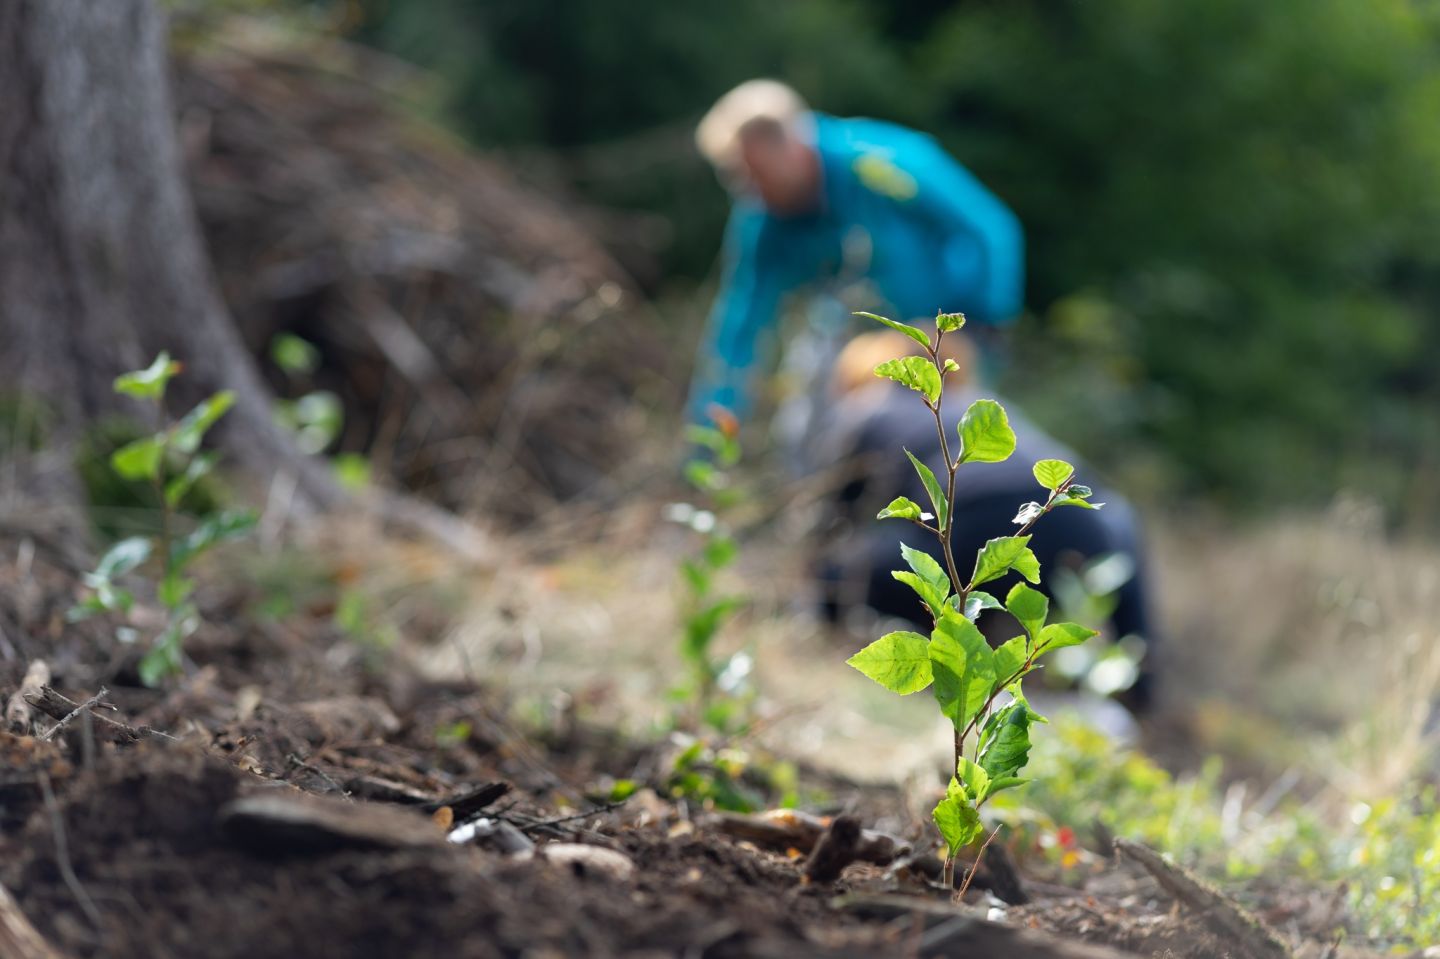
[(1231, 207)]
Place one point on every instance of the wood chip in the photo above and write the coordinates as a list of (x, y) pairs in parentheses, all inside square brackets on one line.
[(585, 859), (782, 829), (279, 823), (18, 712), (835, 850), (18, 938)]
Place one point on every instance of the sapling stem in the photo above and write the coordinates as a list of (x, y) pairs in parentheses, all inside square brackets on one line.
[(956, 656)]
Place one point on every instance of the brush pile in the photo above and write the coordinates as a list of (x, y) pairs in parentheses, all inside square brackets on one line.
[(480, 341)]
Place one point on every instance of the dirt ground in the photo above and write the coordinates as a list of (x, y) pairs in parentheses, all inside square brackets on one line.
[(294, 793)]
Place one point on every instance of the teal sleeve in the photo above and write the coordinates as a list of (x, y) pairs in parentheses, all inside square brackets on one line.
[(745, 308), (987, 247)]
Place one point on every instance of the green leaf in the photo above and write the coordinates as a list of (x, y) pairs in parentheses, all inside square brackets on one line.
[(315, 419), (108, 598), (149, 383), (83, 610), (191, 429), (922, 589), (932, 486), (958, 822), (916, 372), (1051, 473), (963, 668), (898, 661), (197, 469), (1028, 566), (928, 579), (951, 366), (141, 459), (1004, 783), (917, 335), (1059, 635), (927, 567), (158, 663), (1028, 514), (218, 528), (697, 575), (1076, 501), (701, 628), (903, 508), (1006, 748), (1010, 656), (1029, 606), (164, 658), (174, 590), (351, 471), (704, 475), (998, 557), (974, 779), (1083, 492), (977, 601), (949, 322), (985, 433), (122, 558), (720, 551), (293, 354)]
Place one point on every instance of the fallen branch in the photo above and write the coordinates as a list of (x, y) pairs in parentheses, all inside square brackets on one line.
[(783, 829), (1251, 937), (468, 805), (297, 823), (90, 703), (526, 824), (18, 938), (59, 708), (18, 714)]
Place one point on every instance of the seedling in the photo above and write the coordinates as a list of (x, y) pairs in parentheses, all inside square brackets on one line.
[(715, 681), (978, 688), (170, 461)]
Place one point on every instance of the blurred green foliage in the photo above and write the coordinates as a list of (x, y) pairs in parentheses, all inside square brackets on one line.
[(1231, 207), (1386, 852)]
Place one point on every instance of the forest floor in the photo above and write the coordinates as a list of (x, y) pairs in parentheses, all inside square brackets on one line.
[(312, 788)]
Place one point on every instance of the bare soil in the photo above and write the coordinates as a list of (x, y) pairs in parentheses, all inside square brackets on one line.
[(144, 851)]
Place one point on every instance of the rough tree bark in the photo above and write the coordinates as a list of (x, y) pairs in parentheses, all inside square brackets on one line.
[(102, 264)]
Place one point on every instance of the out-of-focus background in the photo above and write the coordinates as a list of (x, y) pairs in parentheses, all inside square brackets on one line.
[(472, 247)]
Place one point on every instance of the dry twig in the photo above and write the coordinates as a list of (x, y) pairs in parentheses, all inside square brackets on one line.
[(90, 703), (1251, 937), (59, 707)]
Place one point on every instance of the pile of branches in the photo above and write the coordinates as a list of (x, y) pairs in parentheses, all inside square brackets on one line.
[(480, 341)]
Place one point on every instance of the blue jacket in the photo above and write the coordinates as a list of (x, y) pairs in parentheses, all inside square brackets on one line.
[(895, 210)]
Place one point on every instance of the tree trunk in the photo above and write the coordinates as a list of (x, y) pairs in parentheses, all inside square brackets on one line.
[(102, 264)]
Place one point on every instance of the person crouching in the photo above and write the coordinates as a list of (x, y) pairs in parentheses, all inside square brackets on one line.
[(860, 442)]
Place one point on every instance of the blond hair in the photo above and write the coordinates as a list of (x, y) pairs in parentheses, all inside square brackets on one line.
[(855, 366), (752, 103)]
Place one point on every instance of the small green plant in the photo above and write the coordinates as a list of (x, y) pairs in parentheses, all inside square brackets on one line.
[(316, 418), (970, 678), (715, 692), (170, 460)]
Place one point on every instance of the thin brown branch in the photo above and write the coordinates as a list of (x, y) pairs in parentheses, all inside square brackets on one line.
[(62, 857), (90, 703), (960, 894)]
